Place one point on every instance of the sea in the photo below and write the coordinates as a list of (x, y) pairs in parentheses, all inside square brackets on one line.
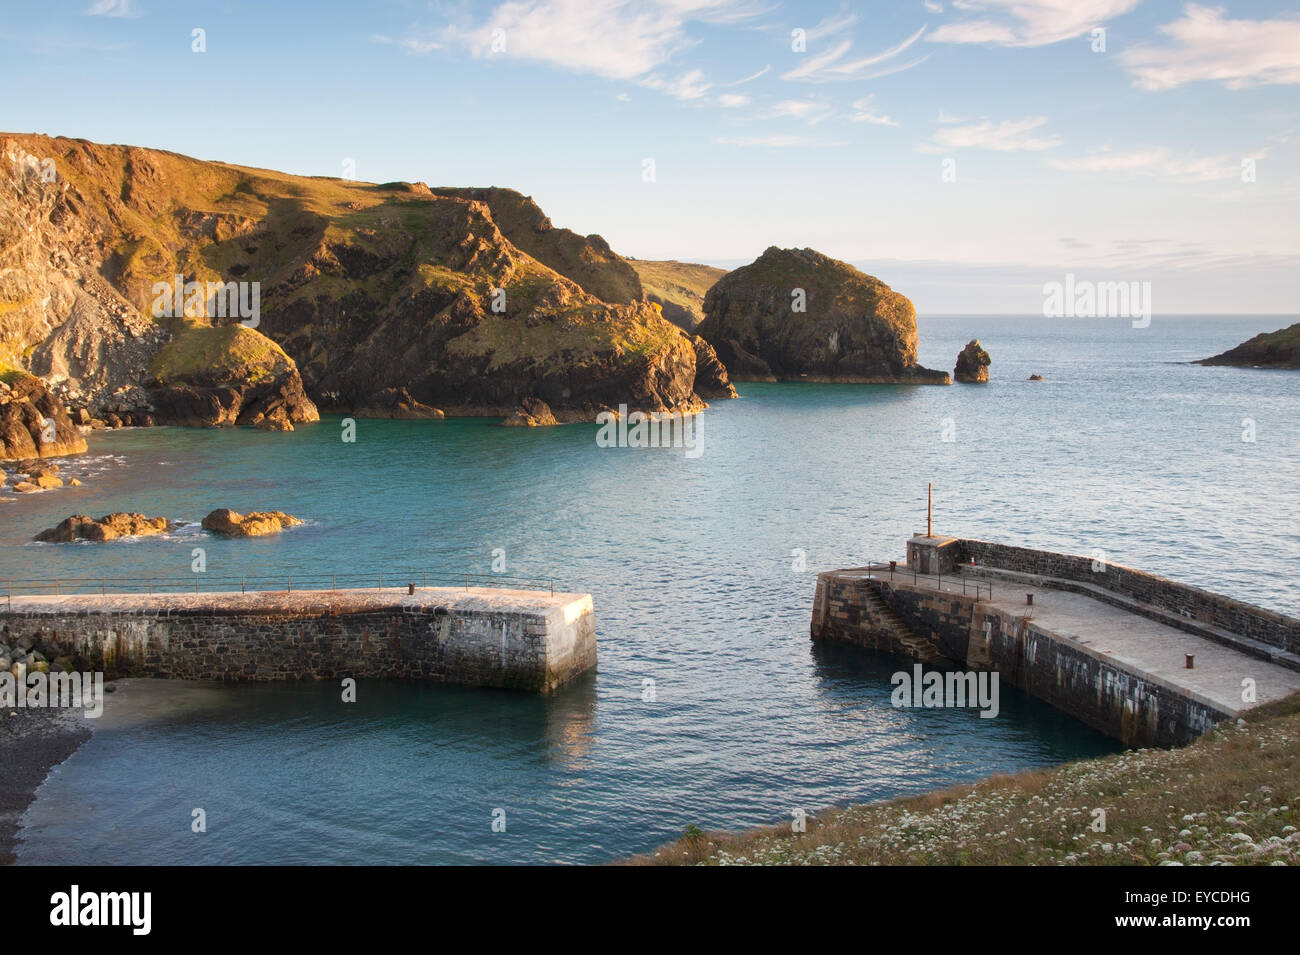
[(710, 706)]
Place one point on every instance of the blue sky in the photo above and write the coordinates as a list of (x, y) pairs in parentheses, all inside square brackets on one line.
[(1117, 164)]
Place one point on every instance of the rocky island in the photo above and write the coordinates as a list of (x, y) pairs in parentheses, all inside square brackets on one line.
[(1279, 349), (796, 314)]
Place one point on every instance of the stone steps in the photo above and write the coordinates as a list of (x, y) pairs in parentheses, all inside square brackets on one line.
[(918, 647)]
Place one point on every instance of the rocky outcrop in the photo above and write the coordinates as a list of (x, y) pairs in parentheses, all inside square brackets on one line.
[(798, 314), (397, 403), (468, 299), (972, 364), (106, 528), (1279, 349), (33, 422), (1035, 377), (711, 378), (230, 375), (587, 260), (531, 413), (230, 523)]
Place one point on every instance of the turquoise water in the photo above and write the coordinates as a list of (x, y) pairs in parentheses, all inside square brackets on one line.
[(694, 563)]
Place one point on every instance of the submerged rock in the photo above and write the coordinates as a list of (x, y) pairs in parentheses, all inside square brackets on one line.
[(531, 413), (108, 527), (972, 364), (1035, 377), (797, 314), (254, 524)]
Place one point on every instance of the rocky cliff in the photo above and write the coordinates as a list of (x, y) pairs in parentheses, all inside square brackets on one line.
[(361, 289), (798, 314), (33, 422), (1279, 349)]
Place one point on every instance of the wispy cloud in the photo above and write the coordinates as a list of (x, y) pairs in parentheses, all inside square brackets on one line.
[(113, 8), (811, 110), (1012, 135), (1160, 162), (835, 63), (750, 78), (1206, 45), (865, 111), (732, 100), (1028, 22), (411, 44), (778, 141), (690, 85), (610, 38)]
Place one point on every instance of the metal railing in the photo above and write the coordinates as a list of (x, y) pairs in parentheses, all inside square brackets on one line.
[(263, 583), (968, 587)]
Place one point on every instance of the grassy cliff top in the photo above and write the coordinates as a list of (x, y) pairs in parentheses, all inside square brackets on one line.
[(680, 284), (225, 351)]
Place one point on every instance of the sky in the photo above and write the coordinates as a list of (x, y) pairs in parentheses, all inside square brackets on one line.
[(964, 151)]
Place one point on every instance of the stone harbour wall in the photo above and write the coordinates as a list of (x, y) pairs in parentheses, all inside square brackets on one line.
[(1134, 707), (521, 640), (1192, 603)]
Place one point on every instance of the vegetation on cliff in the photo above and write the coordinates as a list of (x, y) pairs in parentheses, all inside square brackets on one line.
[(1232, 797), (1279, 349), (798, 314), (678, 288)]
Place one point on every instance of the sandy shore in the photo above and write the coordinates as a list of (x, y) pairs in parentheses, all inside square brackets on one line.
[(32, 742)]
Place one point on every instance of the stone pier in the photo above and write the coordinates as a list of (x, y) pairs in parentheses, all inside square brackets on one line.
[(517, 639), (1107, 644)]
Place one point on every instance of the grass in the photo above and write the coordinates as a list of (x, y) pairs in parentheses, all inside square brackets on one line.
[(1230, 798), (10, 375), (204, 351)]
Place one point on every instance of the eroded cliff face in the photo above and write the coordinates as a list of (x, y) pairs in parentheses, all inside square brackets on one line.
[(798, 314), (75, 307), (366, 289)]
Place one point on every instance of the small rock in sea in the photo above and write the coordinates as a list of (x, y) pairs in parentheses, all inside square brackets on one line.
[(74, 483), (972, 364), (1035, 377), (230, 523), (108, 527), (531, 413)]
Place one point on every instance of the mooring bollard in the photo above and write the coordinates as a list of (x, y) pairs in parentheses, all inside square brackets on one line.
[(1029, 600), (1191, 660), (410, 589)]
